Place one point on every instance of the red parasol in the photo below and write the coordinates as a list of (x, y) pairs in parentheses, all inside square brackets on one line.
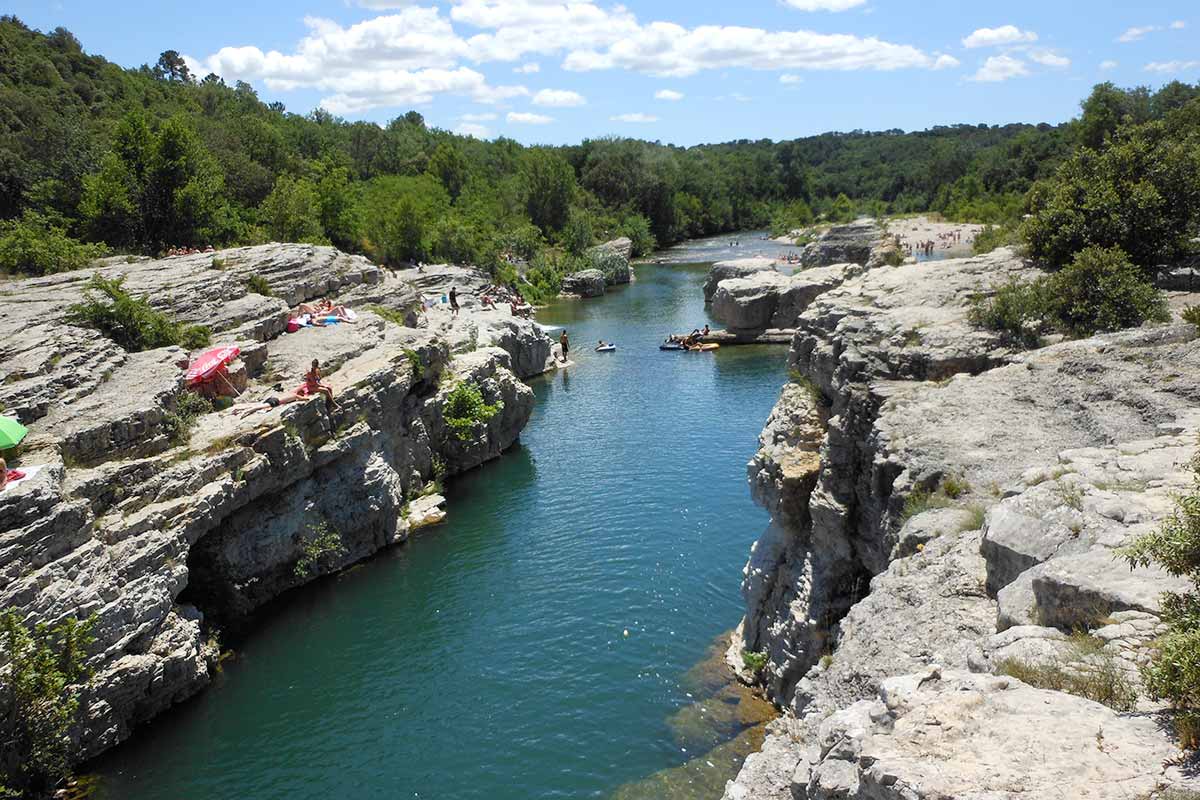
[(210, 362)]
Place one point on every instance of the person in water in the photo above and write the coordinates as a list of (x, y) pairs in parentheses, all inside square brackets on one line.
[(705, 331), (312, 385), (565, 343)]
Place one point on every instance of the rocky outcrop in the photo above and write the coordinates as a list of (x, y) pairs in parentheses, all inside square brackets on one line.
[(767, 299), (586, 283), (938, 734), (612, 258), (734, 268), (841, 244), (938, 499), (158, 531)]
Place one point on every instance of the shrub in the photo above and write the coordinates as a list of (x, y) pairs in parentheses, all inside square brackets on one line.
[(1101, 290), (920, 501), (178, 424), (418, 367), (464, 409), (34, 246), (323, 546), (637, 229), (259, 285), (993, 236), (1191, 314), (41, 692), (754, 661), (954, 486), (1173, 672), (608, 262), (131, 321)]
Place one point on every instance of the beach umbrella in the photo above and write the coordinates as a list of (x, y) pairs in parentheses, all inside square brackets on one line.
[(11, 432), (211, 362)]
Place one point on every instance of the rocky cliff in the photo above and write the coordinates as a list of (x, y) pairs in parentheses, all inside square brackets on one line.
[(158, 531), (941, 503)]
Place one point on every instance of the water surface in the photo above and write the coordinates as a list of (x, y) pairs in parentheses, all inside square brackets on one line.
[(487, 658)]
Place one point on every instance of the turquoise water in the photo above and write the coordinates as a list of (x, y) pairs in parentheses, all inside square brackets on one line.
[(487, 657)]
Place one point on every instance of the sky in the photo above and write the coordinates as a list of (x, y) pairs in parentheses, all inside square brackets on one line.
[(678, 71)]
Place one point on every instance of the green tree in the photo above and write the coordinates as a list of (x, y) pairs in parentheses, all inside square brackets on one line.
[(184, 191), (40, 695), (292, 212), (338, 216), (34, 246), (549, 184), (1140, 193), (637, 228), (171, 66), (448, 165), (577, 234), (842, 209)]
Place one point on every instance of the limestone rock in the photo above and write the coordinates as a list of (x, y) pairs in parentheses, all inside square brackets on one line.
[(586, 283), (612, 258), (748, 303), (933, 735), (849, 243), (734, 268)]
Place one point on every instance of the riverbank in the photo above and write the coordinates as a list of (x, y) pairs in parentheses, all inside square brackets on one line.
[(944, 507)]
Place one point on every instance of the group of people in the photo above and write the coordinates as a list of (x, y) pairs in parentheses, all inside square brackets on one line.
[(319, 314), (693, 339), (926, 247), (495, 295), (791, 258), (311, 387), (188, 251)]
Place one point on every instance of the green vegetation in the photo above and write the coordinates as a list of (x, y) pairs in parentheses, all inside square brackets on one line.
[(33, 245), (920, 501), (465, 410), (131, 321), (1192, 314), (259, 285), (321, 548), (1173, 672), (954, 486), (41, 696), (754, 661), (418, 366), (178, 424), (1101, 290), (993, 236)]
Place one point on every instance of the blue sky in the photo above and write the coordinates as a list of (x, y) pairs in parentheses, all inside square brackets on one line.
[(675, 71)]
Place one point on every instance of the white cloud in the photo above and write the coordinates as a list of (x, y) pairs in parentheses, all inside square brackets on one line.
[(638, 117), (472, 129), (945, 61), (824, 5), (993, 37), (558, 98), (524, 118), (1048, 58), (790, 77), (415, 53), (1000, 68), (1108, 64), (1135, 33), (485, 117), (1178, 25), (668, 94), (1172, 67)]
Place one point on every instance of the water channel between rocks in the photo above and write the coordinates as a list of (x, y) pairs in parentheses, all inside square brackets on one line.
[(487, 657)]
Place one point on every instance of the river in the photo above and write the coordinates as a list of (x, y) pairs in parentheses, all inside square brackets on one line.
[(544, 642)]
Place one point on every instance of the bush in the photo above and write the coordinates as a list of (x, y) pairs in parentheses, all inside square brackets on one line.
[(41, 695), (178, 424), (32, 245), (1173, 672), (465, 410), (1100, 291), (993, 236), (1097, 678), (637, 228), (131, 321), (754, 661), (259, 285), (1192, 314), (322, 547)]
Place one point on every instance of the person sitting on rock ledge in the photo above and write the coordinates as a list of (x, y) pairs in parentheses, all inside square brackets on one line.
[(312, 385)]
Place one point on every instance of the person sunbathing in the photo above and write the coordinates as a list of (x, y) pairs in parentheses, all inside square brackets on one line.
[(244, 410)]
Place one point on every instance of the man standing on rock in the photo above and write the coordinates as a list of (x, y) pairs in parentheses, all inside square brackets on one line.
[(565, 343), (453, 300)]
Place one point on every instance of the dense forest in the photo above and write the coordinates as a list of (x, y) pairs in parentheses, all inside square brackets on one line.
[(95, 158)]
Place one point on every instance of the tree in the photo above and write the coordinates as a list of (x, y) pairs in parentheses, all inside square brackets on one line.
[(842, 209), (1107, 108), (448, 166), (34, 246), (1141, 193), (41, 698), (292, 212), (172, 67), (549, 183), (577, 234)]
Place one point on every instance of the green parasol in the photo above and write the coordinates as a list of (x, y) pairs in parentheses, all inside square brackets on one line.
[(11, 432)]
